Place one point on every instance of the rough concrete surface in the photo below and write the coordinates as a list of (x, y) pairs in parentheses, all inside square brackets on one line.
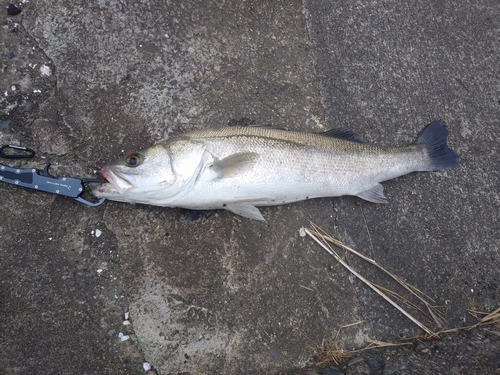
[(85, 82)]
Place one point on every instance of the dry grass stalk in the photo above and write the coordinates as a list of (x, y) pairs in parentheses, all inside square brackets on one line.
[(432, 313), (382, 344), (489, 318), (472, 309), (329, 352), (413, 290), (425, 299), (323, 239)]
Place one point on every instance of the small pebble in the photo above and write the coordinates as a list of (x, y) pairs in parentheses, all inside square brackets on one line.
[(355, 361), (420, 346), (12, 10), (357, 366), (374, 364), (146, 366), (123, 337), (45, 70)]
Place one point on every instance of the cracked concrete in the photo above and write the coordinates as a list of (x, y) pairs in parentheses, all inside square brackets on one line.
[(226, 294)]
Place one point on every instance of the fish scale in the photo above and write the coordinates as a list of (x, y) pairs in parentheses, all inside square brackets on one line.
[(242, 168)]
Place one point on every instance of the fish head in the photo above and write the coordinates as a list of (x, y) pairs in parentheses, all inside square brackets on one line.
[(138, 176)]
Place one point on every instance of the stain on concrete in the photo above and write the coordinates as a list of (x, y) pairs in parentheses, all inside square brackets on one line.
[(84, 83)]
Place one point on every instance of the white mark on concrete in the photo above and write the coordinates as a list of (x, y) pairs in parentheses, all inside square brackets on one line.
[(123, 337), (45, 70)]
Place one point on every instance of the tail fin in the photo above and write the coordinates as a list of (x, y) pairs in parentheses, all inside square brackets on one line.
[(433, 137)]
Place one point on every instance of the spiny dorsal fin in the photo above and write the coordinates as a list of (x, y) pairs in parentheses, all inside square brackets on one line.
[(266, 126)]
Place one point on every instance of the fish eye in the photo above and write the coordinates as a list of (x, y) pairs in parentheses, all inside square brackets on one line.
[(133, 160)]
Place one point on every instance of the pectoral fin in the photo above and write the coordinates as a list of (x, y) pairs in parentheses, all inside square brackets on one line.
[(235, 164), (245, 210), (374, 194)]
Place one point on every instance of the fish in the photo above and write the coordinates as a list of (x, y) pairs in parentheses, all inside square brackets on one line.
[(241, 168)]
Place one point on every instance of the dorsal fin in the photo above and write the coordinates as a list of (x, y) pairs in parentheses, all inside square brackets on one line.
[(342, 134), (266, 126)]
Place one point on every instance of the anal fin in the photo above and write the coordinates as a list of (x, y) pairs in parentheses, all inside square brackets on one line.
[(245, 210), (374, 194)]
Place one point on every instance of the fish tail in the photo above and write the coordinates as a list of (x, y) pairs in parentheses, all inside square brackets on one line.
[(433, 137)]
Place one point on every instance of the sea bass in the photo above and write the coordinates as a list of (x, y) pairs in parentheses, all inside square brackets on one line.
[(241, 168)]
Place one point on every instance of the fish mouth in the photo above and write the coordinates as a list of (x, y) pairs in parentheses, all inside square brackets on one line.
[(114, 181)]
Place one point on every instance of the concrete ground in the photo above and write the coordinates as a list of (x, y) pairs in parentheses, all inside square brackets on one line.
[(83, 83)]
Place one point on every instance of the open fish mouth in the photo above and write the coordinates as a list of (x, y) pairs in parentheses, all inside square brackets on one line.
[(114, 181)]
